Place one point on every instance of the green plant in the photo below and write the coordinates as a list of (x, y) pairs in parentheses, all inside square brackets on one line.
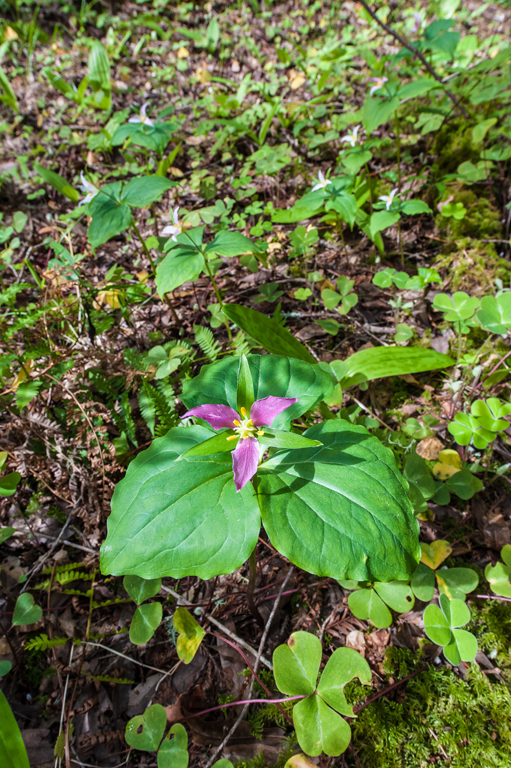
[(12, 749), (147, 618), (441, 625), (482, 424), (498, 575)]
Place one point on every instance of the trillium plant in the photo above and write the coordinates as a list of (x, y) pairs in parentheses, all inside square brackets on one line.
[(331, 499), (142, 117)]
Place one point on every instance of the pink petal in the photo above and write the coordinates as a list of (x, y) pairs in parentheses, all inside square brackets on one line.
[(245, 459), (217, 416), (265, 410)]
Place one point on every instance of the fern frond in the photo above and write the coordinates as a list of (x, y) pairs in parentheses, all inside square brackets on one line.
[(205, 340), (128, 418), (147, 406), (108, 679), (64, 567), (242, 345), (43, 643), (65, 578)]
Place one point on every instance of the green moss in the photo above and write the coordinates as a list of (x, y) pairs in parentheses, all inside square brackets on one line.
[(482, 220), (474, 267), (453, 146)]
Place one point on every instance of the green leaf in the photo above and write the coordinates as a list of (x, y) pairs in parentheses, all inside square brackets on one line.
[(381, 220), (417, 88), (366, 604), (319, 728), (13, 753), (110, 217), (141, 589), (267, 332), (456, 582), (230, 244), (9, 483), (378, 111), (278, 438), (436, 625), (178, 267), (498, 578), (464, 484), (495, 314), (403, 333), (19, 221), (397, 594), (343, 665), (383, 279), (179, 518), (173, 752), (378, 362), (154, 137), (5, 668), (490, 414), (271, 375), (99, 66), (26, 611), (8, 97), (145, 622), (190, 635), (341, 509), (296, 664), (6, 533), (466, 428), (58, 183), (480, 130), (417, 473), (245, 389), (216, 444), (413, 207), (153, 723), (462, 647), (458, 307), (26, 392), (423, 583), (139, 193)]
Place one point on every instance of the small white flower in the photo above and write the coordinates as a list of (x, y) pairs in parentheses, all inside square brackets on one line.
[(322, 182), (351, 136), (379, 82), (142, 117), (387, 199), (175, 229), (90, 190)]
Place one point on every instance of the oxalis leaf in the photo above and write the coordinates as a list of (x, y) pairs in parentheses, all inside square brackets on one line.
[(317, 718), (441, 626), (173, 752), (180, 518), (152, 723), (341, 509), (190, 635)]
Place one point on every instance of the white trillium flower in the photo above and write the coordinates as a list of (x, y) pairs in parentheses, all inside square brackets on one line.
[(322, 182), (351, 136), (142, 117), (387, 199), (379, 82), (175, 229), (89, 189)]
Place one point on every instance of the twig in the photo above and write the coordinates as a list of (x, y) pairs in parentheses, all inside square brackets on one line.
[(256, 666), (123, 655), (218, 624), (494, 597), (389, 688), (369, 411), (416, 53), (59, 759)]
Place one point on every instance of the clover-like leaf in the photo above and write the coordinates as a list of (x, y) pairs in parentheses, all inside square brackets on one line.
[(462, 647), (466, 428), (396, 594), (152, 723), (343, 665), (26, 611), (173, 752), (423, 583), (366, 604), (190, 635), (449, 462), (141, 589), (442, 624), (319, 728), (436, 625), (434, 554), (495, 313), (145, 622), (499, 575), (464, 484), (490, 414), (383, 279), (458, 307), (456, 582), (296, 664)]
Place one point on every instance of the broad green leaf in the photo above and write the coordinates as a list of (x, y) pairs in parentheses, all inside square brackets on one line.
[(9, 483), (414, 207), (145, 622), (179, 518), (456, 583), (58, 183), (178, 267), (154, 137), (99, 66), (267, 332), (462, 647), (26, 611), (341, 509), (378, 362), (423, 583), (417, 473), (19, 221), (480, 130), (173, 752), (144, 190), (110, 217), (343, 665), (466, 428), (505, 554), (13, 753), (434, 554), (5, 668), (378, 111), (319, 728), (365, 604), (298, 212), (381, 220), (436, 625), (498, 578), (456, 612), (396, 594), (383, 279), (190, 635), (216, 444), (458, 307), (223, 763), (271, 375), (141, 589), (464, 484), (278, 438), (403, 333), (6, 533), (490, 414), (495, 314), (230, 244), (153, 723), (345, 205), (296, 664), (245, 389), (417, 88)]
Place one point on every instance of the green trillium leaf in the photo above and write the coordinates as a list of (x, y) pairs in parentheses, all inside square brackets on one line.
[(215, 444)]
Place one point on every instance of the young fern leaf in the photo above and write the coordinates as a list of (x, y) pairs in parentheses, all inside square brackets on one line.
[(242, 345), (43, 642), (205, 340), (128, 418), (161, 398), (147, 406)]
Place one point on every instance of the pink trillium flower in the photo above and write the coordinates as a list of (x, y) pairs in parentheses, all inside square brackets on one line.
[(322, 182), (387, 199), (417, 21), (245, 457), (142, 117), (174, 229), (379, 82)]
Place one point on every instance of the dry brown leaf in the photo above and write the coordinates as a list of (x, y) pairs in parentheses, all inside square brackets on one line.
[(430, 448)]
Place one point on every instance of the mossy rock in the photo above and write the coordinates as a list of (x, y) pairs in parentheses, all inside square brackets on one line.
[(452, 146), (474, 266), (482, 220)]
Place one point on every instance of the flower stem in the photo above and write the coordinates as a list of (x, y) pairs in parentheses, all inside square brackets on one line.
[(153, 267), (252, 564), (217, 293)]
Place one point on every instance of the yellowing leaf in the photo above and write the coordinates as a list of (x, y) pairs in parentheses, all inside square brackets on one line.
[(300, 761), (183, 53), (297, 82), (10, 34), (142, 276), (190, 635), (111, 297), (22, 375), (176, 172), (203, 75), (449, 462), (435, 553)]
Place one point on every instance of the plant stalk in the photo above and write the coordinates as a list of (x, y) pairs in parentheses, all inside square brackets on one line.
[(252, 564)]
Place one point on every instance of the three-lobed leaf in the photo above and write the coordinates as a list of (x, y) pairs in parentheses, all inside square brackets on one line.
[(190, 634), (145, 732)]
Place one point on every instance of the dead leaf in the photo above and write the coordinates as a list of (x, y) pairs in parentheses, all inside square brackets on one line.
[(430, 448), (435, 553), (10, 34), (183, 53), (356, 639), (194, 141), (300, 761)]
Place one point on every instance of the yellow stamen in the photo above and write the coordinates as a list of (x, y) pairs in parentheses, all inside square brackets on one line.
[(233, 437), (260, 432), (236, 422), (243, 412)]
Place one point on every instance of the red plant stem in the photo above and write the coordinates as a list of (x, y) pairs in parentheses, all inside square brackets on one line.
[(247, 701), (493, 370), (289, 592), (494, 597)]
